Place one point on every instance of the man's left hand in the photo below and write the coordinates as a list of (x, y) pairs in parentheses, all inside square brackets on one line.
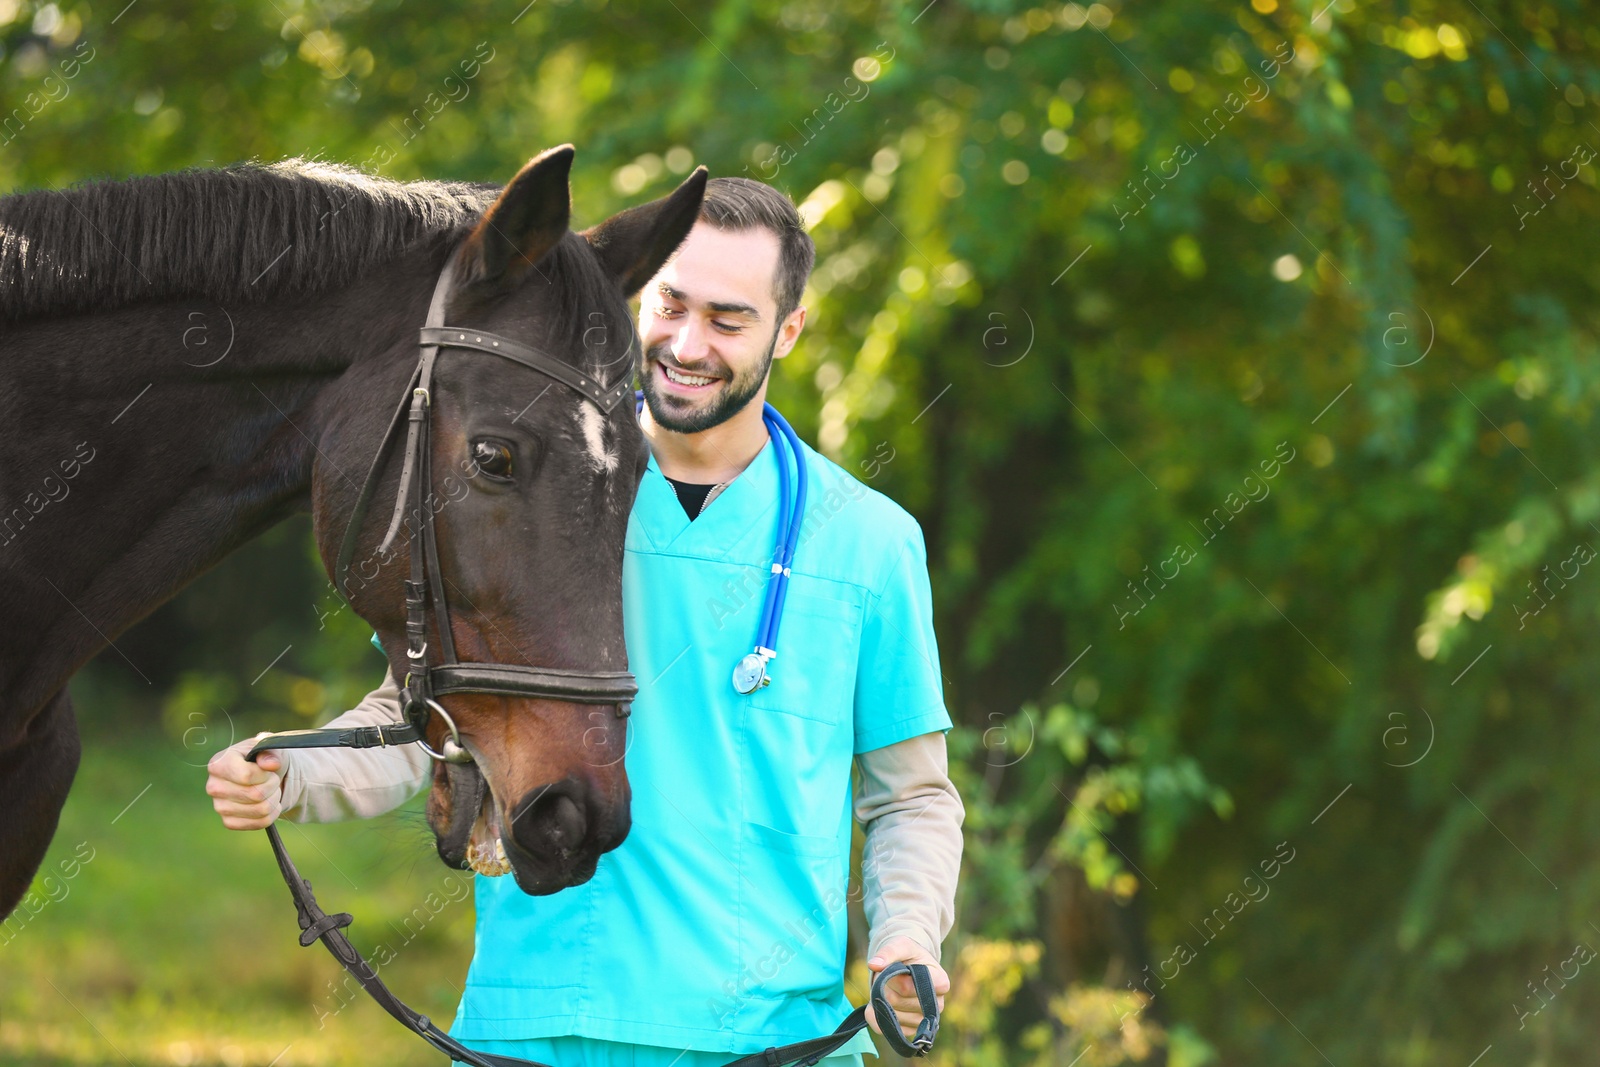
[(900, 990)]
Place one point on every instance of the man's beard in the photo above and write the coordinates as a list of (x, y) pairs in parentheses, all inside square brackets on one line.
[(682, 416)]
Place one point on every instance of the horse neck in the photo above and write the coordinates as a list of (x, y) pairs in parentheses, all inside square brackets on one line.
[(141, 446)]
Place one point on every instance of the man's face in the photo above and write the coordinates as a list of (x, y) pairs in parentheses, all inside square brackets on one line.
[(708, 323)]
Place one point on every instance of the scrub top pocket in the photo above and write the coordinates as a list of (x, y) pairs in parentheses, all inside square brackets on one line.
[(814, 674), (793, 903)]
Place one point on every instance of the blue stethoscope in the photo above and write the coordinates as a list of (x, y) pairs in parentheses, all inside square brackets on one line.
[(750, 673)]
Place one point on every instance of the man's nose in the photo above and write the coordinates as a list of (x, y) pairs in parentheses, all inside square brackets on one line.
[(693, 342)]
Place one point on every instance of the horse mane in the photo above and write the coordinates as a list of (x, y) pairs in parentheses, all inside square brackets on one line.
[(245, 233)]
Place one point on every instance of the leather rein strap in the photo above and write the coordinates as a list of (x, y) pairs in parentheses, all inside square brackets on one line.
[(318, 925)]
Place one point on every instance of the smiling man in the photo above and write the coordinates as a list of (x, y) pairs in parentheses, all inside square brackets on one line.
[(719, 926)]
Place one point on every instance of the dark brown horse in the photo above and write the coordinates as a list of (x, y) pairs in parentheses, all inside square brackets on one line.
[(188, 359)]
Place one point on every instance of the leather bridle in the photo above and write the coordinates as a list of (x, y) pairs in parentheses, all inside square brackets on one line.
[(434, 672)]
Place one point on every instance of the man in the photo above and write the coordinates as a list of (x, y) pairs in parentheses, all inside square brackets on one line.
[(718, 927)]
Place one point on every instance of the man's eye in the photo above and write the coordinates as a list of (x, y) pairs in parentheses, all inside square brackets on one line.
[(492, 458), (728, 327)]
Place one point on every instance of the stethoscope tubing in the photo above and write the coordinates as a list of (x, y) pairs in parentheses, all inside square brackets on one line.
[(791, 518), (793, 486)]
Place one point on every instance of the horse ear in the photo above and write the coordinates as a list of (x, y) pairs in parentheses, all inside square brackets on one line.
[(525, 222), (633, 244)]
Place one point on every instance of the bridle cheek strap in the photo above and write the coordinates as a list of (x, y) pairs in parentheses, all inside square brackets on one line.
[(408, 403)]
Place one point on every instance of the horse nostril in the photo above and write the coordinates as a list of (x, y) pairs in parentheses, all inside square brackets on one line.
[(566, 823), (552, 820)]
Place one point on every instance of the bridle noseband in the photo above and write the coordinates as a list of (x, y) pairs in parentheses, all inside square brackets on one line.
[(429, 675)]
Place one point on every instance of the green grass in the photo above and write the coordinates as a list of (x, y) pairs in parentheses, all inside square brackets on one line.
[(176, 943)]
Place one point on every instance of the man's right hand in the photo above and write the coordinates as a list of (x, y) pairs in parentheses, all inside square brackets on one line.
[(247, 795)]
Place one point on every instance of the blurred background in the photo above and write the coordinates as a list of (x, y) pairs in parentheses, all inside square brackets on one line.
[(1244, 392)]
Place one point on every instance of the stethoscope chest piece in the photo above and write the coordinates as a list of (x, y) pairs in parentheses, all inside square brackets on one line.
[(750, 674)]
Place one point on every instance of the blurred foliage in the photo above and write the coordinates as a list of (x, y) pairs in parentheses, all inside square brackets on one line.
[(1243, 388)]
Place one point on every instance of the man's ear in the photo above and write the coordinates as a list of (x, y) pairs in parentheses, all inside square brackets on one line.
[(525, 222), (789, 332), (633, 244)]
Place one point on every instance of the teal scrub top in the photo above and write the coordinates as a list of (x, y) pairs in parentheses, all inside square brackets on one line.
[(719, 924)]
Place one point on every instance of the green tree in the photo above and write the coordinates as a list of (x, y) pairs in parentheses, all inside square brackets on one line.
[(1239, 364)]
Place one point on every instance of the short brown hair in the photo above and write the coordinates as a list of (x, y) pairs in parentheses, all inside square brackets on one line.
[(737, 205)]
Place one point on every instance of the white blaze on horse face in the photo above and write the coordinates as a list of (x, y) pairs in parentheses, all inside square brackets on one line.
[(593, 425)]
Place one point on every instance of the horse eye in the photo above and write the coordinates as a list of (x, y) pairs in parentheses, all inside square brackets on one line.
[(492, 458)]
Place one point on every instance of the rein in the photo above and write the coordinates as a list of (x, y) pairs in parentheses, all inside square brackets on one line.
[(429, 677), (318, 925)]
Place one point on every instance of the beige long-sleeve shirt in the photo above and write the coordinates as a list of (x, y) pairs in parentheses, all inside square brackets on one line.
[(911, 813)]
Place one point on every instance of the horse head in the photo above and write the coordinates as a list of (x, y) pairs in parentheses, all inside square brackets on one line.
[(530, 480)]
